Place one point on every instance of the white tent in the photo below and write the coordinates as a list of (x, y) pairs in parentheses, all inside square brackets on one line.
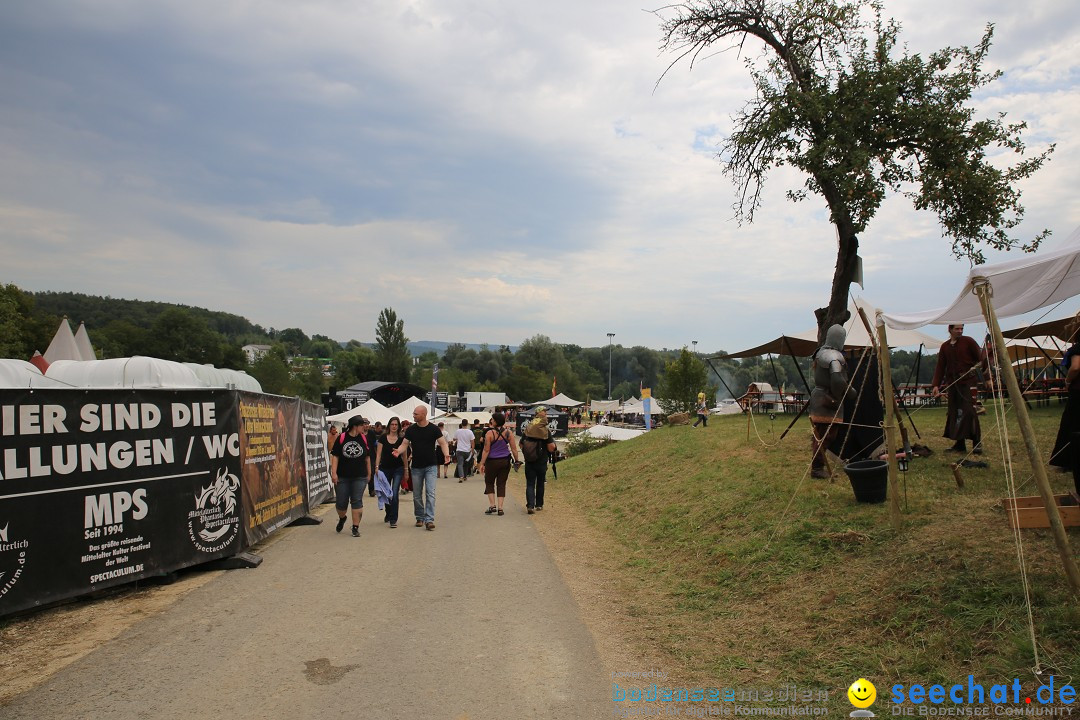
[(82, 341), (404, 409), (614, 433), (221, 378), (373, 410), (1028, 283), (16, 374), (805, 343), (634, 406), (560, 401), (63, 345), (604, 405), (132, 372)]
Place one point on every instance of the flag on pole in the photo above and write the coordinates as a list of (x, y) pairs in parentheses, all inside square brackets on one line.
[(553, 393), (434, 385)]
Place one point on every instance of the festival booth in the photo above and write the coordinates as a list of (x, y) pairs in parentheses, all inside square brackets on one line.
[(1007, 289), (558, 422), (101, 486), (559, 401)]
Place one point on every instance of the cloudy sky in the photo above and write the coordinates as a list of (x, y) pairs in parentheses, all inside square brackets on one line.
[(491, 170)]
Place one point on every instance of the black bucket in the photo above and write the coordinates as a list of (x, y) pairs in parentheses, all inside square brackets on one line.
[(869, 480)]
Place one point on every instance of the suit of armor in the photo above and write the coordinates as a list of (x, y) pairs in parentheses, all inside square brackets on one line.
[(826, 407)]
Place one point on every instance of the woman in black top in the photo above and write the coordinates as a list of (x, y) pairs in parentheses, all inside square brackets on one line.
[(388, 458)]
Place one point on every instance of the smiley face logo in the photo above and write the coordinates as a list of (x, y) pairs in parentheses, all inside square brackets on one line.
[(862, 693)]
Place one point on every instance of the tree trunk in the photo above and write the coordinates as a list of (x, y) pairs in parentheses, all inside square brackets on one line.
[(847, 252)]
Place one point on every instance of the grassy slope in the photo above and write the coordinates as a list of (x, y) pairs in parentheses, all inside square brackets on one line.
[(742, 571)]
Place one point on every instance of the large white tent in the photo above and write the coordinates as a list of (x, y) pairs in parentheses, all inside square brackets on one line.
[(16, 374), (1028, 283), (214, 377), (132, 372), (604, 405), (63, 345), (82, 341)]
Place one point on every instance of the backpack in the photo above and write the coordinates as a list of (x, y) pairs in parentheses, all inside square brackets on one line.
[(532, 449)]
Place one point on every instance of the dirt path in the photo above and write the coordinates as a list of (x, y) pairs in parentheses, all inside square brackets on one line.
[(482, 615)]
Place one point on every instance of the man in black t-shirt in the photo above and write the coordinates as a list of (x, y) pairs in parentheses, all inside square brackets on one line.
[(421, 439), (350, 468)]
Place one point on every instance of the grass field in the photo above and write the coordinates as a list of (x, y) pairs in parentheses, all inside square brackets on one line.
[(739, 570)]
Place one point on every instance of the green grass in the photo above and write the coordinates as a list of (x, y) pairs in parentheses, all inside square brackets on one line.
[(741, 570)]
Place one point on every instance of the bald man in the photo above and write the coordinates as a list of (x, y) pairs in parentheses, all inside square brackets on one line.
[(421, 440)]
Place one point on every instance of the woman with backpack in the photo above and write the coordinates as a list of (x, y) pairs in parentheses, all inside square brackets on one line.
[(499, 446)]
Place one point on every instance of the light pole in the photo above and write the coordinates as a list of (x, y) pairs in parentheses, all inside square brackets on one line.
[(609, 336), (695, 347)]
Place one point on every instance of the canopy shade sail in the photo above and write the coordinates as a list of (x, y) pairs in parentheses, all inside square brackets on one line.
[(804, 344), (1060, 329), (1021, 285)]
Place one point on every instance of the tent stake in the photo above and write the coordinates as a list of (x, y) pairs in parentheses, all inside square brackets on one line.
[(984, 291)]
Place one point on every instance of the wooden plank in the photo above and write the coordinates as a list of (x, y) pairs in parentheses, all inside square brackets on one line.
[(1031, 513)]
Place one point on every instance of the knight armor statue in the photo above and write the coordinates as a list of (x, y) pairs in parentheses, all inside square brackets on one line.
[(829, 370)]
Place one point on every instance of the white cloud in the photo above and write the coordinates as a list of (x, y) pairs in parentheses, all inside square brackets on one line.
[(490, 171)]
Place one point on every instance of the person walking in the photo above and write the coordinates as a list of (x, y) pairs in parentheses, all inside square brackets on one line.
[(444, 468), (536, 447), (702, 411), (499, 446), (422, 441), (332, 433), (958, 360), (389, 457), (463, 448), (350, 468)]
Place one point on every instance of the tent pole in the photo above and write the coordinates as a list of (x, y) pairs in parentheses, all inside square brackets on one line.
[(792, 423), (884, 357), (717, 372), (791, 352), (984, 291), (891, 420)]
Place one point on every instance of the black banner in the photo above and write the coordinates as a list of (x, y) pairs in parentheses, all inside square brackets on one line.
[(273, 468), (102, 487), (316, 456)]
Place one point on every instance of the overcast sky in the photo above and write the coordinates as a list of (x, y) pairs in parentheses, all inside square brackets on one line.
[(489, 169)]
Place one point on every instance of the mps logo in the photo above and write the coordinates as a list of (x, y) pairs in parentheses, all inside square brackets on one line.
[(12, 559), (214, 523)]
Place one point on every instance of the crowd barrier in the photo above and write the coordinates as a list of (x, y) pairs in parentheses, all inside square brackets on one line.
[(102, 487)]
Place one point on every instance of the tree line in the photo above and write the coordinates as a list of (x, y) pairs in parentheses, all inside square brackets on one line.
[(307, 366)]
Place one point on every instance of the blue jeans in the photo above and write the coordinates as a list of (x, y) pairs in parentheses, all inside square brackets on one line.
[(423, 488), (394, 477), (350, 489), (462, 461)]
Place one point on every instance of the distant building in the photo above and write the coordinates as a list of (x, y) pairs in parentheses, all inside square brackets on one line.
[(254, 352)]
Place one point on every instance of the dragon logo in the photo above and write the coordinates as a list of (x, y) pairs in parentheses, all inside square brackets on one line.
[(213, 524)]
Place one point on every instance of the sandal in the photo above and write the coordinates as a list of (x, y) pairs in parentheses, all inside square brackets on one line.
[(490, 510), (500, 511)]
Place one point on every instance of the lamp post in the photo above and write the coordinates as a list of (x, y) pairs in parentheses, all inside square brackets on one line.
[(695, 347), (609, 336)]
